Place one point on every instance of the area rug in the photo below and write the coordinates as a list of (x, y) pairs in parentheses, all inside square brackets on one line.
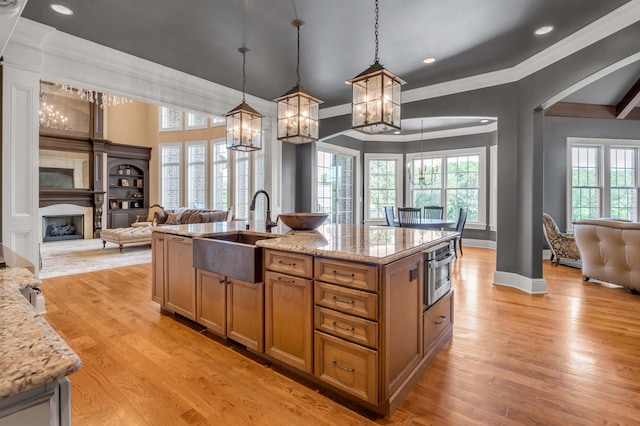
[(70, 257)]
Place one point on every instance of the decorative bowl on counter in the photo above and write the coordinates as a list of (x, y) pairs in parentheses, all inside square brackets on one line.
[(303, 221)]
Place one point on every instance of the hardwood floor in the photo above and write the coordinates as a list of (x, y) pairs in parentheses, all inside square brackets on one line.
[(571, 356)]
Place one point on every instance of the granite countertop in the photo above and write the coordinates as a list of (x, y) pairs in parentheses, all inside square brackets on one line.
[(31, 352), (371, 244)]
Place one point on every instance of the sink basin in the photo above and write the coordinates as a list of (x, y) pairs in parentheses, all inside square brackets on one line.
[(234, 255)]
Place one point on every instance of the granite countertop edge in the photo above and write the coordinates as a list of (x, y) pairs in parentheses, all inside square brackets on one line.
[(32, 354)]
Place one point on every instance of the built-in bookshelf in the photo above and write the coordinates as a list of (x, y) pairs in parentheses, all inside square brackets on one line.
[(127, 192)]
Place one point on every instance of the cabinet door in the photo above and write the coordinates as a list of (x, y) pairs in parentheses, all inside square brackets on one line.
[(211, 297), (180, 276), (288, 314), (245, 313), (119, 219), (157, 263)]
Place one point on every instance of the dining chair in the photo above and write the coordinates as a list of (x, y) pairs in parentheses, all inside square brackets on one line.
[(462, 219), (408, 215), (433, 212), (388, 213)]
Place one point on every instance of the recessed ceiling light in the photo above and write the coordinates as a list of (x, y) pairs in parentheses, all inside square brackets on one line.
[(484, 121), (543, 30), (429, 60), (397, 132), (62, 10)]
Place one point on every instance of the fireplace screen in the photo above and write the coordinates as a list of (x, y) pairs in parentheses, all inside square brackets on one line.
[(57, 228)]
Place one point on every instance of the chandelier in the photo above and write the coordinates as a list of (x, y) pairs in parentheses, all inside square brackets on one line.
[(297, 109), (376, 96), (50, 117), (104, 100), (244, 124), (427, 175)]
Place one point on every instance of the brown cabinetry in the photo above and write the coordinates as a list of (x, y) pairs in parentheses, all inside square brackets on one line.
[(289, 328), (231, 308), (157, 272), (127, 191), (179, 276)]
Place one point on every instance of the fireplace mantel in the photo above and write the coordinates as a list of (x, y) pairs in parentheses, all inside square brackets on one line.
[(79, 197)]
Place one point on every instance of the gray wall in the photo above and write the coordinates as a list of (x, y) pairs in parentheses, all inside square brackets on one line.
[(555, 176)]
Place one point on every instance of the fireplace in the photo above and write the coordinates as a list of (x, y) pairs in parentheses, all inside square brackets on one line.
[(62, 227), (57, 221)]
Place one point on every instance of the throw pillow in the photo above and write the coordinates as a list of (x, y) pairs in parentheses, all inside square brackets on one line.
[(172, 219)]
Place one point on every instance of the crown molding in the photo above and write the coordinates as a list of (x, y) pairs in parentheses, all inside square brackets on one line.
[(63, 58), (609, 24), (436, 134)]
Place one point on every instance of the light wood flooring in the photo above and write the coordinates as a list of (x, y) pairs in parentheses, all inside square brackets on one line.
[(571, 356)]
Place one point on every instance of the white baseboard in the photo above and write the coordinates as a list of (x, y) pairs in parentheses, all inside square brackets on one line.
[(526, 284), (466, 242)]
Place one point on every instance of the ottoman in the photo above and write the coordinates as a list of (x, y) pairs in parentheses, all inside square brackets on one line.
[(122, 236)]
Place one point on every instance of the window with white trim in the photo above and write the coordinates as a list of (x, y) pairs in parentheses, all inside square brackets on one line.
[(196, 121), (452, 179), (170, 175), (220, 175), (170, 119), (604, 179), (383, 184), (217, 120), (196, 174)]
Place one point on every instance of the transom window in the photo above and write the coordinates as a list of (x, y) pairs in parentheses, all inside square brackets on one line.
[(170, 119)]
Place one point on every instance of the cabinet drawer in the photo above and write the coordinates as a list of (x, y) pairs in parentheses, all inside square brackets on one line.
[(347, 366), (354, 302), (289, 263), (356, 275), (354, 329), (437, 319)]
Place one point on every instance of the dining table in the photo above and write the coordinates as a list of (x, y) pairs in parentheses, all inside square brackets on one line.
[(427, 223)]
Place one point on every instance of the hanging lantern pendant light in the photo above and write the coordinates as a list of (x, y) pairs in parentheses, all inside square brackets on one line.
[(297, 109), (244, 124), (376, 97)]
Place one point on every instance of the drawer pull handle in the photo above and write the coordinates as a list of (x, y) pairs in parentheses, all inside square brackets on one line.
[(441, 320), (350, 302), (284, 280), (335, 324), (282, 262), (335, 364), (224, 281), (344, 275)]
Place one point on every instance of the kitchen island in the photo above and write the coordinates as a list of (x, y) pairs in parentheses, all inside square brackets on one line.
[(342, 307), (34, 360)]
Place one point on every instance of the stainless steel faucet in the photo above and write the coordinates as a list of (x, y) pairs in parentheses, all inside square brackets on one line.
[(268, 224)]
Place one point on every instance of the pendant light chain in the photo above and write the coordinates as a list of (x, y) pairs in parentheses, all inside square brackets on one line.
[(298, 60), (376, 31), (244, 74)]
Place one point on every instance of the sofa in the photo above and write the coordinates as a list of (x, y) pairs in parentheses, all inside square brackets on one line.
[(185, 216), (610, 251)]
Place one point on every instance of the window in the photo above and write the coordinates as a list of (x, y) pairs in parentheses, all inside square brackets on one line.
[(452, 179), (220, 179), (196, 121), (383, 183), (241, 184), (170, 119), (216, 121), (337, 183), (197, 175), (170, 173), (604, 179)]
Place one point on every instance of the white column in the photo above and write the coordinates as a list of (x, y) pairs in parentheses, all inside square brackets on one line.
[(20, 219)]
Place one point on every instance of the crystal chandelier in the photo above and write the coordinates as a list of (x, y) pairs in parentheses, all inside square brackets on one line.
[(50, 117), (104, 100), (376, 97), (244, 124), (297, 109), (426, 175)]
